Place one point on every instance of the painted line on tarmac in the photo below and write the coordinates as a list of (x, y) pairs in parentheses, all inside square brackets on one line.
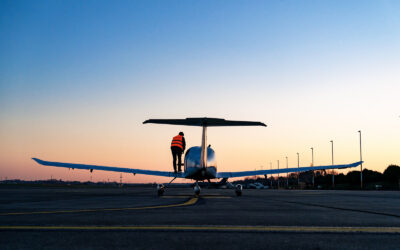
[(215, 228), (215, 197), (202, 196), (340, 208), (189, 202)]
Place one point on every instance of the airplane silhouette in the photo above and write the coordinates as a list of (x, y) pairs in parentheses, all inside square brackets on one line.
[(199, 162)]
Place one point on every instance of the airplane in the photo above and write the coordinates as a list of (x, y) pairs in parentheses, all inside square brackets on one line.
[(200, 161)]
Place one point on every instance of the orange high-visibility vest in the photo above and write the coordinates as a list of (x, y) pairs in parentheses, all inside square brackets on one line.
[(177, 142)]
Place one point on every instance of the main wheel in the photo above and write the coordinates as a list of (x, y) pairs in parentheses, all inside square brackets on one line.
[(160, 189), (238, 190)]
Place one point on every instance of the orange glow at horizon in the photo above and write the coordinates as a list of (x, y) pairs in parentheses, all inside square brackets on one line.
[(237, 149)]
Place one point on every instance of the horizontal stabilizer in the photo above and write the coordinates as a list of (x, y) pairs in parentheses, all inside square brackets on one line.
[(204, 121)]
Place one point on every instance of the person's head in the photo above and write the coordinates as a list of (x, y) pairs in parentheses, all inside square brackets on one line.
[(181, 133)]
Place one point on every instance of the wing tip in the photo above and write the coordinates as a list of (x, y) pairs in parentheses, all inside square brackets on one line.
[(37, 160)]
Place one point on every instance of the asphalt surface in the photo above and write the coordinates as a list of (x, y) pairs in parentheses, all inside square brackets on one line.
[(104, 218)]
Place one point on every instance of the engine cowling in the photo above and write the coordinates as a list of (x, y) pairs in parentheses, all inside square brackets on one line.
[(193, 168)]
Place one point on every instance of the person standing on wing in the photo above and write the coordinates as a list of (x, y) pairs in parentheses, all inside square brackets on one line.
[(178, 145)]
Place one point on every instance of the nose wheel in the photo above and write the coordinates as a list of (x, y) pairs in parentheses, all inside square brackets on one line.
[(196, 189)]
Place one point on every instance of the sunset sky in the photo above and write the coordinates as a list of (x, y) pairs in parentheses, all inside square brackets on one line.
[(78, 78)]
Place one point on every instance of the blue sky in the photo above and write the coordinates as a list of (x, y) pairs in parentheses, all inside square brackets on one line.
[(72, 65)]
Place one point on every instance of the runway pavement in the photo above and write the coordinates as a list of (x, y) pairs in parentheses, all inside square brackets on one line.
[(103, 218)]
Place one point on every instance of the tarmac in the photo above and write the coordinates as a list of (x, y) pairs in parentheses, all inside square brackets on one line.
[(135, 217)]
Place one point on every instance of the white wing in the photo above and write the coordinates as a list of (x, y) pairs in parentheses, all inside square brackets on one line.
[(283, 170), (105, 168)]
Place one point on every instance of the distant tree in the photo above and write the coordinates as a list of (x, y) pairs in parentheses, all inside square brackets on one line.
[(340, 178), (392, 173), (353, 177), (318, 173), (372, 176), (306, 176)]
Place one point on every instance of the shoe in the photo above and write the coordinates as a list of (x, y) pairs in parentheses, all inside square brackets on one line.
[(180, 170), (175, 171)]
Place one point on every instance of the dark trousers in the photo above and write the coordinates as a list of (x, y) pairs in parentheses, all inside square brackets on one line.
[(177, 152)]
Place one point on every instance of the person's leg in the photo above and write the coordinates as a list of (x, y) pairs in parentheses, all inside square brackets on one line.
[(179, 153), (174, 158)]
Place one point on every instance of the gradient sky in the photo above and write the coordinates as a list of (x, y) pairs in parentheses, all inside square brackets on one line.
[(78, 78)]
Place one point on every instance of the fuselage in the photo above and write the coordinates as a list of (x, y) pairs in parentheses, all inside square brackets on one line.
[(193, 168)]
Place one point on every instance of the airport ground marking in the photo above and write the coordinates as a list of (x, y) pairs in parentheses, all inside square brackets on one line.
[(191, 201), (340, 208), (203, 197), (215, 228)]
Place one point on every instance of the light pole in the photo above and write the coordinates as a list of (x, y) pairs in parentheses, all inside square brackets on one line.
[(361, 173), (312, 163), (298, 166), (333, 172), (278, 174), (270, 167), (287, 174)]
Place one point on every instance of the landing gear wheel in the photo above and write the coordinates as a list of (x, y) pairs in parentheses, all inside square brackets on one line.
[(238, 190), (196, 189), (160, 189)]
